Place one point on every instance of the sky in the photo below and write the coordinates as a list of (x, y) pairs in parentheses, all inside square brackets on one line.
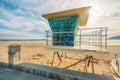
[(21, 19)]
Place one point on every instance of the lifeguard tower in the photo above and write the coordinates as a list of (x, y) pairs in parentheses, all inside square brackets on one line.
[(67, 37)]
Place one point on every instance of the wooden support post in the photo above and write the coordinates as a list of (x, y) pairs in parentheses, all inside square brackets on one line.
[(92, 65), (62, 55), (89, 60), (53, 59), (85, 66), (59, 57), (19, 55)]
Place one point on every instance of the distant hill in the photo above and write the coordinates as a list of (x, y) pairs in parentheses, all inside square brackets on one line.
[(115, 37)]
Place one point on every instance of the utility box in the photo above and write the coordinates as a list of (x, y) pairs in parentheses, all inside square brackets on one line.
[(14, 53)]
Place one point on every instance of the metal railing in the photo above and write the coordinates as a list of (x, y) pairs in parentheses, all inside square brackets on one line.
[(83, 36)]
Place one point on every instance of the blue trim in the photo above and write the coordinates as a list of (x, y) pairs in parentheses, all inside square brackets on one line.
[(10, 52), (89, 50)]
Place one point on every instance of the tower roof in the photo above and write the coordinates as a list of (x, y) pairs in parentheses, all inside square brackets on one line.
[(82, 13)]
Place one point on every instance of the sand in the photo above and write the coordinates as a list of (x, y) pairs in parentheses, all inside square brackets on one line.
[(34, 52)]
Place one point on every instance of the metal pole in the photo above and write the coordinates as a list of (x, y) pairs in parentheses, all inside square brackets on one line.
[(106, 38), (101, 39), (47, 37), (89, 40), (93, 40), (80, 39), (96, 41), (52, 38)]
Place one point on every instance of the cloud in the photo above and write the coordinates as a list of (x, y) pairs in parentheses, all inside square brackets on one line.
[(10, 20), (21, 22), (25, 15), (20, 25), (115, 14), (43, 6), (20, 11)]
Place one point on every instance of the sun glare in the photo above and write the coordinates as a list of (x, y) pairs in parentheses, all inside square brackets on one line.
[(95, 13)]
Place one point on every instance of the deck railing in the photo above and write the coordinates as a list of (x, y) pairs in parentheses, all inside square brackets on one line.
[(83, 36)]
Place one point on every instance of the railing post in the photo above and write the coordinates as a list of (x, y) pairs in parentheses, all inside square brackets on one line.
[(106, 38), (47, 32), (80, 38), (101, 39)]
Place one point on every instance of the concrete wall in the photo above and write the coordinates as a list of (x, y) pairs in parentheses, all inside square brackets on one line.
[(54, 73)]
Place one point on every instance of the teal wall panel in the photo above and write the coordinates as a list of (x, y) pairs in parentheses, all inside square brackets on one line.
[(64, 24)]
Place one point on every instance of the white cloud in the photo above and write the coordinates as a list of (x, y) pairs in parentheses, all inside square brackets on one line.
[(12, 21), (43, 6), (20, 22), (19, 11), (31, 11)]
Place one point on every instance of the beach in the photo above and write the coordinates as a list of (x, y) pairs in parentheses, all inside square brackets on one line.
[(34, 52)]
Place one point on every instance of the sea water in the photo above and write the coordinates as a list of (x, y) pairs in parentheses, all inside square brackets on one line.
[(113, 42)]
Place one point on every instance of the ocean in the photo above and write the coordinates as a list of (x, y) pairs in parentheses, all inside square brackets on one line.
[(113, 42), (110, 41), (23, 40)]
